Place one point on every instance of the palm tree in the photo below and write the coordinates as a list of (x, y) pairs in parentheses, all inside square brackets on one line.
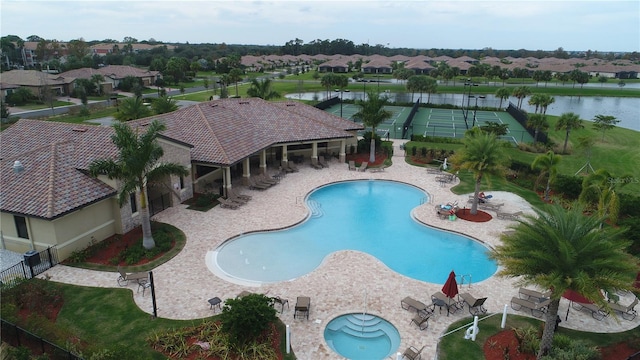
[(98, 79), (565, 250), (372, 113), (503, 93), (520, 93), (537, 122), (535, 100), (545, 101), (137, 166), (604, 123), (262, 89), (482, 154), (163, 105), (547, 164), (600, 188), (235, 75), (132, 108), (567, 122)]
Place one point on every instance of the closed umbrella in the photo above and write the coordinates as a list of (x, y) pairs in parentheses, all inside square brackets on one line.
[(450, 290), (444, 164)]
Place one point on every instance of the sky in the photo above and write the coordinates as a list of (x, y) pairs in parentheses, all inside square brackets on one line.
[(601, 26)]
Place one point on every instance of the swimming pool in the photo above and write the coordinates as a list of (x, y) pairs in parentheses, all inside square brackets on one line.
[(372, 216)]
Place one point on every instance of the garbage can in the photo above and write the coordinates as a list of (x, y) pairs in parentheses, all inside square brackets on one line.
[(32, 258)]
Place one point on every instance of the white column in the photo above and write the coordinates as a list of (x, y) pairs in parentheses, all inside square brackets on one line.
[(314, 153), (343, 151), (285, 155), (246, 171), (263, 161)]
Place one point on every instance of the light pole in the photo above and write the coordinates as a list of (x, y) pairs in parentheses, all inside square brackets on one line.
[(341, 91), (476, 108), (466, 113)]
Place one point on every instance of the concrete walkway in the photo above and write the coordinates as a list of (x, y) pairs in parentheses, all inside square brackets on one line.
[(338, 286)]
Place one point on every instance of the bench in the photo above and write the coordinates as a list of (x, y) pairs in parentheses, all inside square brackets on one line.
[(597, 312), (537, 309)]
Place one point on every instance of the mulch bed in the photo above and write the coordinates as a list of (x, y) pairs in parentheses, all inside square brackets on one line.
[(360, 158), (481, 216)]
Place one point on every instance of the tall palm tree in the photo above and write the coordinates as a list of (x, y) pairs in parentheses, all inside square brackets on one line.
[(372, 113), (262, 89), (537, 122), (535, 100), (547, 163), (568, 121), (545, 101), (132, 108), (137, 166), (482, 154), (600, 188), (563, 250), (503, 93), (520, 93), (235, 75)]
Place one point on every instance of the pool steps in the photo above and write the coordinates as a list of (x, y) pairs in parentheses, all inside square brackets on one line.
[(352, 324), (316, 208)]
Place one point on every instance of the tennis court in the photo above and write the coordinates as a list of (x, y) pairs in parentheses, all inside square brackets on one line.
[(439, 122)]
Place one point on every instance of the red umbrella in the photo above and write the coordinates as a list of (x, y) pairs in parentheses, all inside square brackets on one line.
[(450, 288)]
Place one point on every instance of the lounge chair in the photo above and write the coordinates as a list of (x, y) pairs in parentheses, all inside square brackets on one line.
[(316, 166), (627, 312), (277, 300), (238, 195), (293, 166), (432, 170), (262, 178), (363, 166), (253, 185), (236, 200), (225, 203), (537, 309), (475, 305), (508, 216), (533, 295), (124, 278), (352, 165), (490, 206), (421, 321), (303, 304), (412, 353), (597, 312), (323, 162), (409, 303), (439, 299)]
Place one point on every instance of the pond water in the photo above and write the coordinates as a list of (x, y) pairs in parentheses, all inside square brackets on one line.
[(625, 109)]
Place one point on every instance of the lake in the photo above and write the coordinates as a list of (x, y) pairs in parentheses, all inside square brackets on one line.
[(625, 109)]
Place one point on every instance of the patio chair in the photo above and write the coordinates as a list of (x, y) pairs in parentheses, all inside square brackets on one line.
[(277, 300), (490, 206), (363, 166), (475, 305), (627, 312), (228, 204), (421, 321), (537, 309), (352, 165), (303, 304), (292, 166), (316, 166), (124, 278), (262, 178), (412, 353)]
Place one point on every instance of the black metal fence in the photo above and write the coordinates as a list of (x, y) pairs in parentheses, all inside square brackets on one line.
[(412, 114), (34, 263), (328, 103), (521, 118), (635, 356), (17, 337), (160, 203)]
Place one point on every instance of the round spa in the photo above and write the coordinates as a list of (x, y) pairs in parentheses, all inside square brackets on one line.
[(362, 336)]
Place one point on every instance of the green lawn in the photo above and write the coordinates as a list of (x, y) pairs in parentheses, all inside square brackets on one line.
[(455, 347)]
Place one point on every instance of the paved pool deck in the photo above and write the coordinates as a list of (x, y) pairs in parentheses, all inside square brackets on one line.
[(338, 286)]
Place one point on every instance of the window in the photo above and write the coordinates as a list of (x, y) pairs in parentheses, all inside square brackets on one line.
[(21, 226), (181, 182), (134, 205)]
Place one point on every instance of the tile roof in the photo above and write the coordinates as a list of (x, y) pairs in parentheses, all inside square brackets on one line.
[(32, 78), (223, 132)]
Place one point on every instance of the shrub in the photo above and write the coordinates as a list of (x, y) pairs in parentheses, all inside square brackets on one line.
[(528, 339), (569, 186), (629, 205), (244, 319)]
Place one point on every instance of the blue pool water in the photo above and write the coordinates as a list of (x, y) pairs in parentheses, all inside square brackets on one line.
[(369, 216), (362, 337)]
